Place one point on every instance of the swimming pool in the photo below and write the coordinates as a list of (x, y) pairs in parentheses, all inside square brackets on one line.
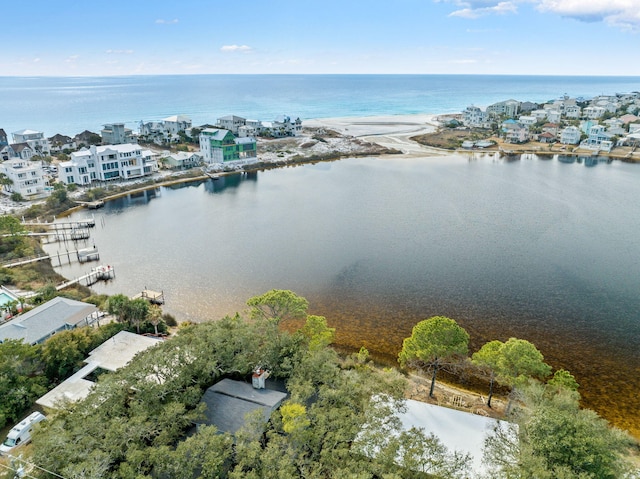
[(6, 298)]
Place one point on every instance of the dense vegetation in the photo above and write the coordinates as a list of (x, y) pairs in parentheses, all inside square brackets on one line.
[(338, 421)]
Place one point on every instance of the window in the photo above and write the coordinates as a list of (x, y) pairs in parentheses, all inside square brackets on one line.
[(69, 179)]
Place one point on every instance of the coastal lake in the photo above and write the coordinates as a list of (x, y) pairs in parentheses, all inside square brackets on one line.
[(539, 249)]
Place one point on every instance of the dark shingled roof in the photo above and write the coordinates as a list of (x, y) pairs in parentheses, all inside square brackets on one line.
[(229, 401)]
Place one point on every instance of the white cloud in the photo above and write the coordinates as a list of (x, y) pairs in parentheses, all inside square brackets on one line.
[(161, 21), (119, 52), (72, 58), (36, 60), (500, 8), (236, 48), (463, 61), (619, 13)]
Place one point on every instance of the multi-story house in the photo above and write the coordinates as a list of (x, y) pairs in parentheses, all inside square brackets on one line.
[(181, 160), (21, 150), (527, 120), (62, 142), (219, 146), (283, 126), (174, 124), (107, 162), (27, 178), (116, 134), (474, 117), (231, 123), (593, 112), (509, 108), (35, 139), (598, 139), (514, 132), (572, 111), (167, 129), (570, 135)]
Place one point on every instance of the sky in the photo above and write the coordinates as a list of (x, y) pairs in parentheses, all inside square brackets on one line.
[(141, 37)]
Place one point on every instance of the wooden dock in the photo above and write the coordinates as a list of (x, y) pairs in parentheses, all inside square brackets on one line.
[(99, 273), (61, 225), (154, 297), (92, 255), (92, 205)]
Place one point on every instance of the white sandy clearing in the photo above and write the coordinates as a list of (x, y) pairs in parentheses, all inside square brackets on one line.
[(391, 131)]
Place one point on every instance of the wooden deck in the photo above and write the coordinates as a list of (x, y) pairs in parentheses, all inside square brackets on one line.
[(154, 297)]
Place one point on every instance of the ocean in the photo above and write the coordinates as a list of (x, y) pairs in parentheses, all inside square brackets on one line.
[(70, 105)]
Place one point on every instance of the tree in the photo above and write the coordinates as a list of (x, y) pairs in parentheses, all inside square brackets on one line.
[(137, 312), (488, 358), (563, 379), (555, 439), (318, 334), (278, 305), (520, 360), (117, 306), (433, 342), (5, 180), (154, 316)]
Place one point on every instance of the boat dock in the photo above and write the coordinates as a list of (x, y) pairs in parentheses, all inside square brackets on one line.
[(62, 225), (99, 273), (87, 254), (154, 297), (92, 205)]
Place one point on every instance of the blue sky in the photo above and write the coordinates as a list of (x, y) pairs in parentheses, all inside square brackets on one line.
[(547, 37)]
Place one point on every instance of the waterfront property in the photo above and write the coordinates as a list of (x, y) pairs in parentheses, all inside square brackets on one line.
[(108, 162), (181, 160), (27, 178), (570, 136), (221, 147), (59, 314), (111, 355), (165, 130)]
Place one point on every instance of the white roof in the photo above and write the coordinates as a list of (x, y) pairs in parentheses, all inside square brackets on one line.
[(111, 355), (178, 118), (458, 430), (26, 132), (122, 148)]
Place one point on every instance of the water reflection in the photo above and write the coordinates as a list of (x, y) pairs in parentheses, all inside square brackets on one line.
[(533, 249), (136, 198), (223, 182)]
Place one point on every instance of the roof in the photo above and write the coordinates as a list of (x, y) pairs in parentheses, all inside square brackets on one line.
[(216, 133), (178, 119), (457, 430), (18, 147), (233, 118), (111, 355), (26, 132), (229, 401), (39, 323)]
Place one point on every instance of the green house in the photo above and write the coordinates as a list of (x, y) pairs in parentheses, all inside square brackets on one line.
[(222, 147)]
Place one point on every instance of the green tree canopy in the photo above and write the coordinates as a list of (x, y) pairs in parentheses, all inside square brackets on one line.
[(488, 359), (278, 305), (520, 360), (432, 342)]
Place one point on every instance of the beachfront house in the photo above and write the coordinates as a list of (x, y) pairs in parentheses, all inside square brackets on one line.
[(42, 322), (570, 135), (527, 120), (508, 108), (474, 117), (165, 130), (221, 147), (35, 139), (231, 123), (27, 178), (284, 126), (108, 162), (572, 111), (116, 134)]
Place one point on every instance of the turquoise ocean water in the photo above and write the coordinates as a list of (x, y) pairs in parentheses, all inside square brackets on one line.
[(69, 105)]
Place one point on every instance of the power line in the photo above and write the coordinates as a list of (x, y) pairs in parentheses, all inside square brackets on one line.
[(32, 465)]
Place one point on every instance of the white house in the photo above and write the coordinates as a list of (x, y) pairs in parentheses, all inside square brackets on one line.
[(540, 114), (515, 132), (60, 142), (527, 120), (593, 112), (167, 129), (554, 116), (174, 124), (108, 162), (27, 177), (181, 160), (231, 123), (509, 108), (570, 135), (35, 139), (284, 126), (572, 111), (474, 117)]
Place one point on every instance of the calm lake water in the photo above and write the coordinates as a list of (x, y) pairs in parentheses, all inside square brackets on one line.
[(539, 249)]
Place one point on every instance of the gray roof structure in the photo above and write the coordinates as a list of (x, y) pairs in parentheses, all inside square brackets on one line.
[(38, 324), (229, 401)]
